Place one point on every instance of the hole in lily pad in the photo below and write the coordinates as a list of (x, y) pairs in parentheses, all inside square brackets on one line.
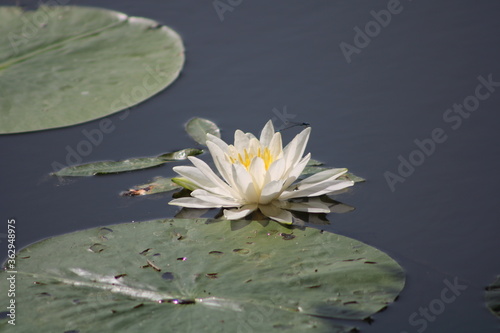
[(212, 275), (216, 253), (241, 251), (145, 251), (97, 248), (4, 314), (180, 301), (168, 276)]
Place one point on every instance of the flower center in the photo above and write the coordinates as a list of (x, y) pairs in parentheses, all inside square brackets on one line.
[(246, 158)]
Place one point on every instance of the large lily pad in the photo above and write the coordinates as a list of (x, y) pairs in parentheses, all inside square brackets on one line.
[(66, 65), (181, 275)]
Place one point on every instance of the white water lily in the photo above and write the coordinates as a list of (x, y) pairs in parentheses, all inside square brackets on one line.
[(258, 174)]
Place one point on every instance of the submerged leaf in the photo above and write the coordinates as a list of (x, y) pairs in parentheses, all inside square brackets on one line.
[(64, 65), (200, 276), (198, 128), (493, 297), (158, 185), (106, 167)]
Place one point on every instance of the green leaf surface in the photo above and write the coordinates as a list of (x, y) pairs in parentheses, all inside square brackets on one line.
[(198, 128), (185, 275), (493, 297), (64, 65), (158, 185), (106, 167)]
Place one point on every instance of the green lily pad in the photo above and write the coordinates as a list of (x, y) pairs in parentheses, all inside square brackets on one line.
[(198, 128), (185, 275), (64, 65), (158, 185), (493, 297), (106, 167)]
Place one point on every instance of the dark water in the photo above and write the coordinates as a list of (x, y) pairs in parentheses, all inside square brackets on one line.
[(441, 223)]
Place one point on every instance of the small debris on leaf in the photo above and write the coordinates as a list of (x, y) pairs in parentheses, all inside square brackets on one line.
[(152, 265), (287, 236)]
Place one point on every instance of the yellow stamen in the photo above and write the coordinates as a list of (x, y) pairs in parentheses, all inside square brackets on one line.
[(246, 158)]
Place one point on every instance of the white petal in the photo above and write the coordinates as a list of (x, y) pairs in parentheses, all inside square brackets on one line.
[(219, 142), (271, 191), (316, 190), (295, 149), (250, 136), (257, 170), (296, 171), (276, 213), (267, 134), (239, 213), (199, 179), (319, 177), (215, 199), (253, 147), (244, 183), (220, 161), (240, 140), (205, 169), (276, 170), (323, 178), (276, 145), (192, 203)]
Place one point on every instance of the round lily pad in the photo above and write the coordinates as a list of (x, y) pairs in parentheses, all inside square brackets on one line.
[(199, 275), (65, 65)]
